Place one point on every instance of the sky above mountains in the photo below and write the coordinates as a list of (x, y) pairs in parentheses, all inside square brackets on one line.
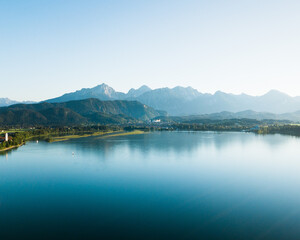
[(48, 48)]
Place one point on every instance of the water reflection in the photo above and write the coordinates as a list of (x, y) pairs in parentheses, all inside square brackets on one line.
[(177, 142), (8, 152), (169, 185)]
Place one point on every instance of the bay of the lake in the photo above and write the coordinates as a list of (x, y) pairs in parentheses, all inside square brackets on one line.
[(161, 185)]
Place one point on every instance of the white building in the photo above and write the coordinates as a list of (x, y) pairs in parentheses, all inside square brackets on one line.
[(156, 121), (6, 137)]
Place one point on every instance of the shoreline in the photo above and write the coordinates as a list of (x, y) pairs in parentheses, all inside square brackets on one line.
[(109, 134), (99, 135), (12, 147)]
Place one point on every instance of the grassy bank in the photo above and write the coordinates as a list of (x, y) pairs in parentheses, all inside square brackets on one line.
[(117, 134), (99, 134), (74, 136)]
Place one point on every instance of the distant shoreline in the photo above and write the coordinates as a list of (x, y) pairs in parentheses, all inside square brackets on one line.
[(102, 132)]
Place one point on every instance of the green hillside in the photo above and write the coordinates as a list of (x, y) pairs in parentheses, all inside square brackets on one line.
[(88, 111)]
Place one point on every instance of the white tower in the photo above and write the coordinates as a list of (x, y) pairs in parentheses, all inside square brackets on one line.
[(6, 137)]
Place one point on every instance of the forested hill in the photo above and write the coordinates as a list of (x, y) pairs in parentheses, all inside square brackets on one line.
[(77, 112)]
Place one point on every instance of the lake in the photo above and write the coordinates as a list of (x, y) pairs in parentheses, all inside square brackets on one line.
[(165, 185)]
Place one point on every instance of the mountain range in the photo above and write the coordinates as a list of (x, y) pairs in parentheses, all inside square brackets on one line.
[(95, 111), (180, 101), (87, 111), (183, 101)]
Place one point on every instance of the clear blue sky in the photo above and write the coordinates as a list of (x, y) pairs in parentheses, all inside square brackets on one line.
[(49, 47)]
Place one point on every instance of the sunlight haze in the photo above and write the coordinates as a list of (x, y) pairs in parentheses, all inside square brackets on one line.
[(48, 48)]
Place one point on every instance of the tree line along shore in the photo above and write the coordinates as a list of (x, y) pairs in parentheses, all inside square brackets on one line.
[(19, 136)]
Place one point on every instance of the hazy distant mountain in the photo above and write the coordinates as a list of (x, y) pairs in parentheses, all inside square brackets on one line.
[(77, 112), (164, 98), (133, 93), (188, 101), (7, 102)]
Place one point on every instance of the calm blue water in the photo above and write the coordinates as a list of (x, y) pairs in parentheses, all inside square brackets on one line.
[(170, 185)]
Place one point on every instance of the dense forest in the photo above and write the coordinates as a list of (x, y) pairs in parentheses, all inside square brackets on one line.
[(75, 113)]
